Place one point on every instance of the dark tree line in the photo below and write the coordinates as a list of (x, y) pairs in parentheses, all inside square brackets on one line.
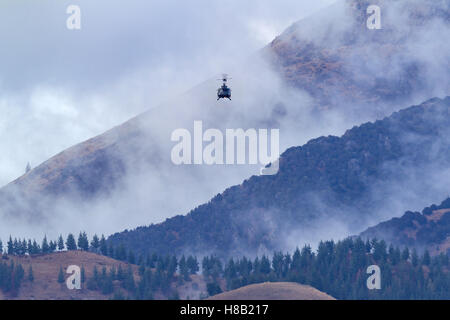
[(21, 247), (155, 274), (337, 268)]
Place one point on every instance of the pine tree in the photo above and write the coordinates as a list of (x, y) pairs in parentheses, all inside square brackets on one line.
[(83, 241), (394, 255), (192, 265), (92, 283), (213, 288), (112, 252), (45, 246), (414, 258), (265, 265), (286, 265), (184, 269), (28, 168), (141, 268), (95, 274), (295, 265), (153, 260), (24, 247), (36, 249), (172, 266), (120, 273), (61, 275), (30, 247), (368, 246), (405, 254), (70, 242), (60, 243), (379, 253), (129, 283), (30, 274), (53, 246), (103, 246), (10, 245), (426, 259), (131, 259), (1, 246), (15, 246), (113, 273), (95, 243), (121, 253), (17, 277), (19, 250), (107, 285), (277, 263), (83, 275)]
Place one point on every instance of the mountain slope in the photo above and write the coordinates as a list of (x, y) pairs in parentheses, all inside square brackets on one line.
[(45, 285), (126, 175), (336, 58), (330, 183), (46, 268), (429, 229)]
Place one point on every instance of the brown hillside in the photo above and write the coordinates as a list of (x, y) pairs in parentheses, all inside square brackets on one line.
[(46, 268), (336, 63), (274, 291), (46, 286)]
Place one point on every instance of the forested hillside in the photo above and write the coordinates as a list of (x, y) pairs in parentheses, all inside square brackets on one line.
[(429, 229), (347, 179), (336, 268)]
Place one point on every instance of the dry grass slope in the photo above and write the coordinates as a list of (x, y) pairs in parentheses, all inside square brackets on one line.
[(46, 286), (45, 271), (274, 291)]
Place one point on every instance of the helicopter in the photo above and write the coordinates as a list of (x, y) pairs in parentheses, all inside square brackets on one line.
[(224, 91)]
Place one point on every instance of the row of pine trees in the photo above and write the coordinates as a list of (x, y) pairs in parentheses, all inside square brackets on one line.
[(22, 246), (340, 269), (337, 268)]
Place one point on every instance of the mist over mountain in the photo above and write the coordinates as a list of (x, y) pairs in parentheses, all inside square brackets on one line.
[(429, 229), (339, 61), (323, 75), (323, 188), (357, 91)]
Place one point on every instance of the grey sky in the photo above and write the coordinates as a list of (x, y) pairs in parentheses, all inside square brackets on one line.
[(60, 87)]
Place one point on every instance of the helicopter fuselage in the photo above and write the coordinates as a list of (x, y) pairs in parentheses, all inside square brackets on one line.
[(224, 92)]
